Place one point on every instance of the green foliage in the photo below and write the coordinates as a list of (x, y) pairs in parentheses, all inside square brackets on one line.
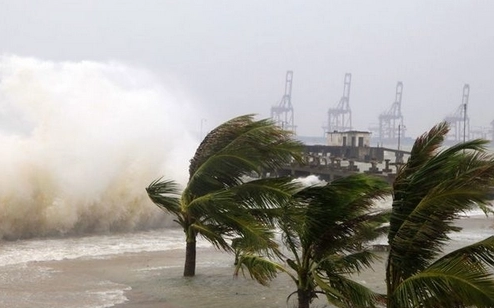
[(220, 200), (325, 229), (259, 268), (432, 190)]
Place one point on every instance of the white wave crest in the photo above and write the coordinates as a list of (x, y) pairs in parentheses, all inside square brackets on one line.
[(79, 143)]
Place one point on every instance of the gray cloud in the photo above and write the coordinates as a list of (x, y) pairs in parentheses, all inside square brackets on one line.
[(232, 55)]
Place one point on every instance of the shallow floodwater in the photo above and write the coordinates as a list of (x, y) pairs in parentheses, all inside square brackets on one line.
[(40, 273)]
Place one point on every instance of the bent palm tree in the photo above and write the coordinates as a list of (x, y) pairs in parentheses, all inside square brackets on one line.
[(431, 190), (220, 201), (325, 230)]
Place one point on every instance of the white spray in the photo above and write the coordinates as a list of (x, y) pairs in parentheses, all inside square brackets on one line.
[(79, 142)]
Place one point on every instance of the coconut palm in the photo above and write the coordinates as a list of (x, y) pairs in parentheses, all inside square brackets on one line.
[(430, 192), (220, 200), (325, 231)]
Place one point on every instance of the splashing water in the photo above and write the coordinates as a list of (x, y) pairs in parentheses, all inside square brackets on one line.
[(80, 142)]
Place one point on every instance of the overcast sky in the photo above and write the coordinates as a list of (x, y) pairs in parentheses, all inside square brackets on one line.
[(231, 57)]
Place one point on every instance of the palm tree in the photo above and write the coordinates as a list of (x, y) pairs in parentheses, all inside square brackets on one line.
[(220, 200), (325, 231), (430, 192)]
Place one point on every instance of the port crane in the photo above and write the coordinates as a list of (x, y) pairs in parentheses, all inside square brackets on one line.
[(391, 126), (283, 114), (480, 132), (459, 121), (340, 117)]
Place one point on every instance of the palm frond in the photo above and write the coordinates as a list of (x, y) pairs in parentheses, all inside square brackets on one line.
[(213, 233), (449, 283), (344, 292), (265, 193), (259, 237), (228, 219), (423, 233), (348, 263), (432, 190), (166, 195), (217, 139), (339, 214), (373, 226), (249, 245), (423, 149), (261, 269), (479, 255), (238, 148), (244, 211), (289, 233)]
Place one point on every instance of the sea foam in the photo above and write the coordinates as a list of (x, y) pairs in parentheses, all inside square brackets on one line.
[(81, 140)]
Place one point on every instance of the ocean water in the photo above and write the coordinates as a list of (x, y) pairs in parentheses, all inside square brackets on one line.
[(27, 281)]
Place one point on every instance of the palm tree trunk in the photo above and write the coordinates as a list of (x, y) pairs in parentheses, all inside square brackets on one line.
[(190, 255), (303, 298), (391, 282)]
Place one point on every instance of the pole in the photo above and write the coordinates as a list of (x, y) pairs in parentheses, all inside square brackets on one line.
[(399, 135), (464, 122)]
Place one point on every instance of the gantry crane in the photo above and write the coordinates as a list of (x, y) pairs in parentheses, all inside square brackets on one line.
[(391, 126), (479, 132), (282, 114), (459, 122), (340, 117)]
